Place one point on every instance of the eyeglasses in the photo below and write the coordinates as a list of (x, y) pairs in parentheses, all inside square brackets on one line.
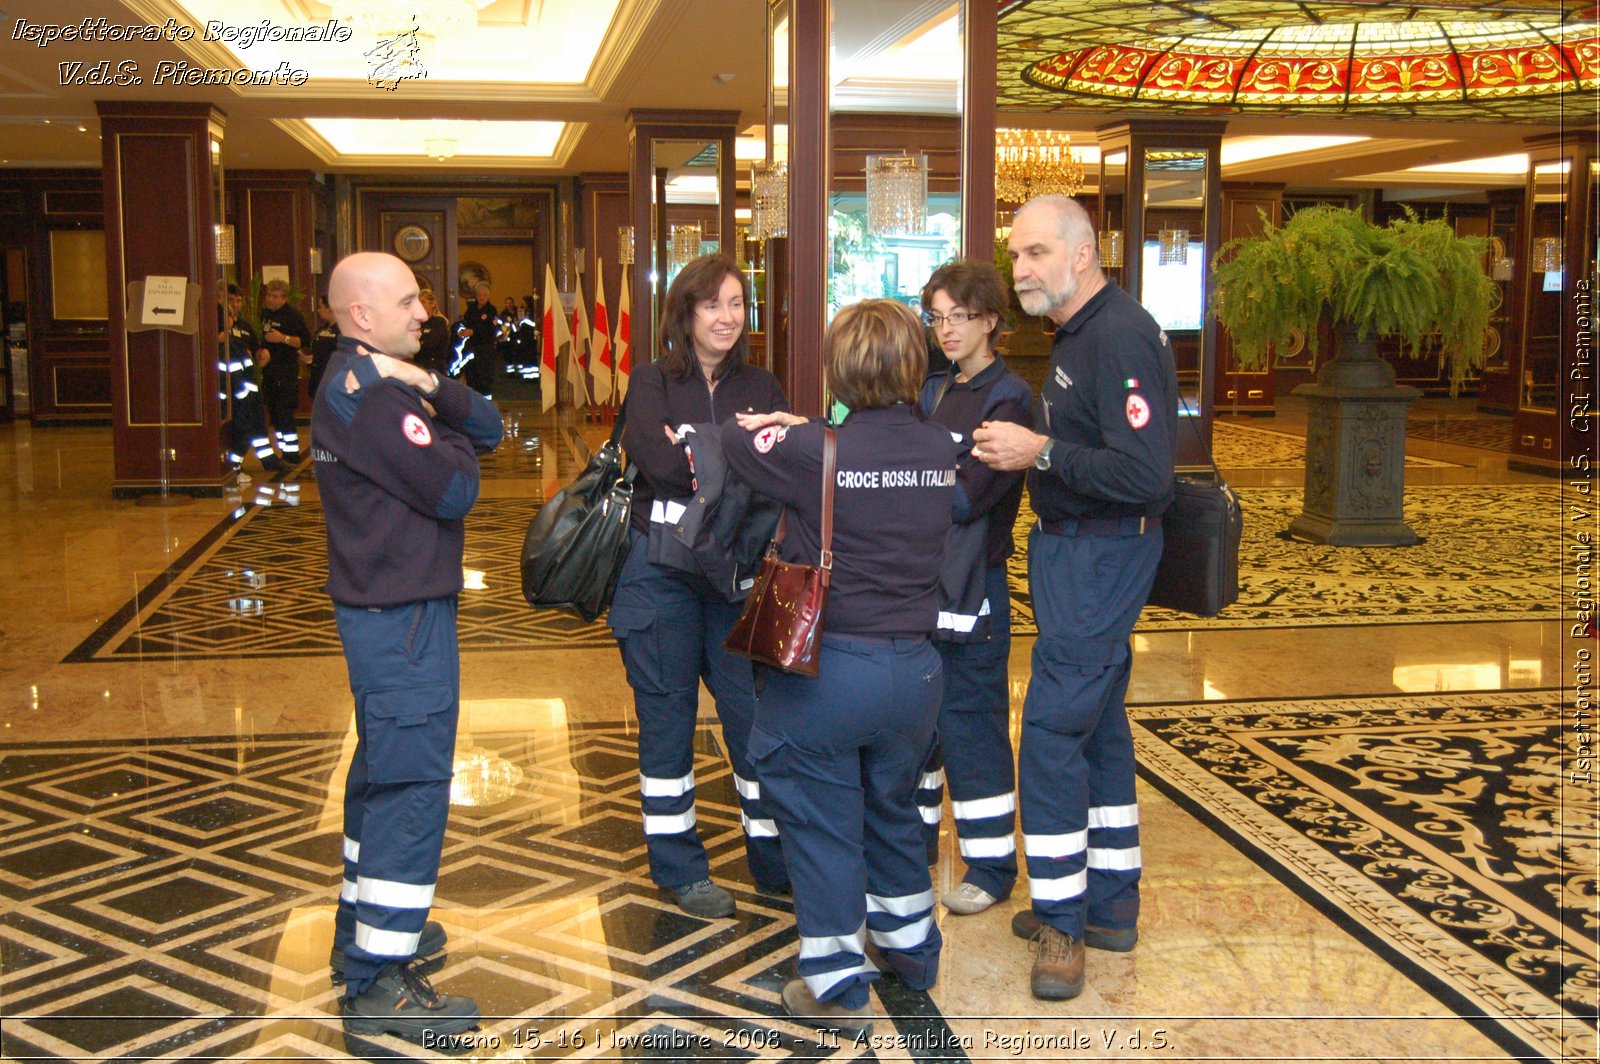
[(957, 318)]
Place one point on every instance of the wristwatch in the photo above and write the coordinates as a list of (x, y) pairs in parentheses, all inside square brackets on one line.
[(434, 392), (1041, 461)]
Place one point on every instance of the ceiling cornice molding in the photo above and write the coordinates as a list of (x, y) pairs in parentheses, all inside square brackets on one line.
[(216, 54), (314, 142), (1352, 152), (628, 28)]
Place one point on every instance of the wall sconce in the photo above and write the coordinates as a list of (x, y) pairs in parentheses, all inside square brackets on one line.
[(625, 245), (316, 261), (685, 244), (1111, 248), (897, 194), (1174, 247), (769, 200), (227, 248), (1547, 254)]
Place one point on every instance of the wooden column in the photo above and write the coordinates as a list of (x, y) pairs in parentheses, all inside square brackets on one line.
[(810, 162), (980, 30), (161, 182)]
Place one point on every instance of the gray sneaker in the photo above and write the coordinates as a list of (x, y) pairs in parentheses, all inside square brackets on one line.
[(967, 899), (703, 899)]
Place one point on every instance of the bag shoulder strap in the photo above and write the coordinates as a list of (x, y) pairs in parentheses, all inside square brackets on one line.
[(830, 453), (1183, 406)]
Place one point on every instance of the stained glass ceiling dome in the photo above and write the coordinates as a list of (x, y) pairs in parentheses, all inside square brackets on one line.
[(1335, 66)]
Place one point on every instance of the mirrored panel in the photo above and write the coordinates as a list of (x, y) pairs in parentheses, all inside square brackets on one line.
[(1548, 287), (685, 209), (1172, 260)]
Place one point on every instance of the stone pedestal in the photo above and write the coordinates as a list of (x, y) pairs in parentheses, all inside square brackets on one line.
[(1355, 452)]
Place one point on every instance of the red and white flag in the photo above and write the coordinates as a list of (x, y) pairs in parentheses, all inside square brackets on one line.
[(624, 343), (601, 364), (553, 337), (580, 350)]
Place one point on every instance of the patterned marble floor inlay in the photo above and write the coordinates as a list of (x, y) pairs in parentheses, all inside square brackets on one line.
[(177, 900), (253, 588), (1445, 831)]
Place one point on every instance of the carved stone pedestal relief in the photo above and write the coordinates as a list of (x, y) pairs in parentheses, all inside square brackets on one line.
[(1355, 453)]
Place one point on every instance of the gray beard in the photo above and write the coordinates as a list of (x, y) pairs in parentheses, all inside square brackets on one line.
[(1041, 301)]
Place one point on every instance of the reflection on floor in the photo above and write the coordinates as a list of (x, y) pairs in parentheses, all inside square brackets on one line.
[(1327, 837)]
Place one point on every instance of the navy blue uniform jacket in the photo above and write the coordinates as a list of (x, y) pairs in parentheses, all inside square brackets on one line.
[(656, 399), (983, 494), (396, 483), (894, 486), (1111, 404)]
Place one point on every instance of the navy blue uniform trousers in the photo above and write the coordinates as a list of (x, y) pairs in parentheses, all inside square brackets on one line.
[(838, 756), (405, 675), (1080, 818), (975, 749), (670, 625)]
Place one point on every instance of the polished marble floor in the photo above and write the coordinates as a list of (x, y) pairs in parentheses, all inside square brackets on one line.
[(1359, 843)]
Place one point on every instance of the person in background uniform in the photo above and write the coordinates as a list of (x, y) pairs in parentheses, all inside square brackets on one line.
[(481, 327), (670, 624), (322, 344), (966, 305), (838, 755), (435, 354), (1101, 477), (283, 334), (396, 453), (525, 334), (247, 426)]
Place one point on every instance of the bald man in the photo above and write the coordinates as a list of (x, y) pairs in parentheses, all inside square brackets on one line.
[(1100, 476), (396, 450)]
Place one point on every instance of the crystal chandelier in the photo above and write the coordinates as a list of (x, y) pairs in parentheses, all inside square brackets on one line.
[(769, 201), (1034, 162), (897, 194), (1174, 247), (1110, 241), (625, 245), (1547, 254), (685, 244)]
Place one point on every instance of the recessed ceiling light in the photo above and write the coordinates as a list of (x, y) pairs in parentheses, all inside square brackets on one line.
[(723, 78), (83, 129)]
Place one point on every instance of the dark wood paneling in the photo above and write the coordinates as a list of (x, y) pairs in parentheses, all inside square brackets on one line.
[(159, 184), (1238, 390), (67, 201), (79, 346)]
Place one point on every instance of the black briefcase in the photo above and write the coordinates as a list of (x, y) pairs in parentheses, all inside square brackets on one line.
[(1199, 570)]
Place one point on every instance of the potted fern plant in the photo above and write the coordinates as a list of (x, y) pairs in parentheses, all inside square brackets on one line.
[(1412, 279)]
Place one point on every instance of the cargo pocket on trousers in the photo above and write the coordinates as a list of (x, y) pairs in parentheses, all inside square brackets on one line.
[(769, 755), (410, 733), (638, 632)]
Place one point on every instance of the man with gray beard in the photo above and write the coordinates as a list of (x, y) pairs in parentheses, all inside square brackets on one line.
[(1100, 477)]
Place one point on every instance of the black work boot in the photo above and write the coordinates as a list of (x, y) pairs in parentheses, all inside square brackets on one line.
[(402, 1002), (431, 941)]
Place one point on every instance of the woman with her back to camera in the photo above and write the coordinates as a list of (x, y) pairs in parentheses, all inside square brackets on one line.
[(670, 624), (838, 755)]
